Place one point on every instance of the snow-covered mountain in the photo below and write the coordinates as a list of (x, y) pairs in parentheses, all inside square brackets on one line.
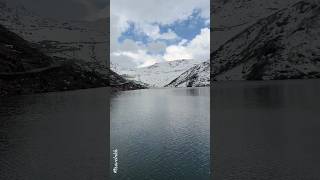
[(230, 17), (196, 76), (284, 45), (73, 39), (159, 74), (120, 69)]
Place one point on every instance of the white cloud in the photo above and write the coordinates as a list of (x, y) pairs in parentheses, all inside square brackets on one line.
[(153, 31), (207, 22), (159, 11), (156, 47), (140, 57), (198, 48), (175, 52), (183, 42), (168, 35), (147, 15)]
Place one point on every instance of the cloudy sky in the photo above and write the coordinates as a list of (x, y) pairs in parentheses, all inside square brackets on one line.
[(144, 32)]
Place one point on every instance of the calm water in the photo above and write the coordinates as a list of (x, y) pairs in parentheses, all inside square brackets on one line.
[(161, 134), (261, 130), (266, 130), (55, 136)]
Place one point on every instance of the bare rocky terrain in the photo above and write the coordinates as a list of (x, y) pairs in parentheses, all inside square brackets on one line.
[(24, 69), (284, 45)]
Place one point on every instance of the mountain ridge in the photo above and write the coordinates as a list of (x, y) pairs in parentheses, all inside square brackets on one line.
[(230, 17), (160, 74), (86, 40), (196, 76), (26, 70), (280, 46)]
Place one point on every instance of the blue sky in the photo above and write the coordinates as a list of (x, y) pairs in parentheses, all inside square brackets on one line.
[(185, 29), (144, 33), (189, 28)]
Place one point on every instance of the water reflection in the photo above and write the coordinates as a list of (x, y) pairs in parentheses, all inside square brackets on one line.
[(266, 129), (162, 134), (54, 136), (270, 96)]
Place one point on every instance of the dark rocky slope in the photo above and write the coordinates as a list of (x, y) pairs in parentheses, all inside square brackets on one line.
[(25, 70), (17, 54), (197, 76), (284, 45), (230, 17)]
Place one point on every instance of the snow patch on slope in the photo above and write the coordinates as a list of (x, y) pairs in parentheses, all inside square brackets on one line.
[(284, 45), (196, 76), (159, 74), (230, 17)]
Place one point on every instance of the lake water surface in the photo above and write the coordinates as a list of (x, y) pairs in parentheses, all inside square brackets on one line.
[(161, 134), (54, 136), (260, 130), (266, 130)]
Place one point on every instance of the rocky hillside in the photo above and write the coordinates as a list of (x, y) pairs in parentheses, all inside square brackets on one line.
[(16, 54), (25, 69), (230, 17), (284, 45), (197, 76), (85, 40)]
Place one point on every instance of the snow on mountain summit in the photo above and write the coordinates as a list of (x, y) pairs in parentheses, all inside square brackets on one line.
[(160, 74)]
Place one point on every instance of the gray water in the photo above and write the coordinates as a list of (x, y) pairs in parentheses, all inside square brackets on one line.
[(266, 130), (54, 136), (161, 134), (261, 130)]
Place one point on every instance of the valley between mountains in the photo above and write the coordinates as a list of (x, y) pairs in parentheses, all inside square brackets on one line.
[(250, 40)]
